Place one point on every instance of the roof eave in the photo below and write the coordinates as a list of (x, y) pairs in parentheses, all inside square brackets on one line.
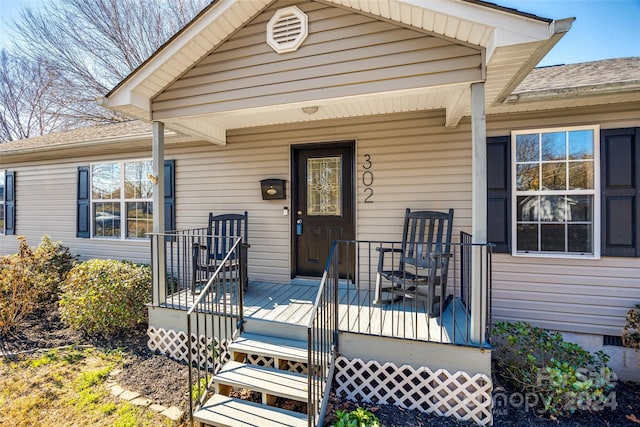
[(557, 30), (573, 92), (129, 140), (140, 86)]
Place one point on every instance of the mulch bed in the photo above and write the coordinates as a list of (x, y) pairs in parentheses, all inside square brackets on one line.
[(166, 381)]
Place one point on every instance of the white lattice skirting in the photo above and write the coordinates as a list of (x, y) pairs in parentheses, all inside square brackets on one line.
[(174, 344), (297, 367), (464, 396)]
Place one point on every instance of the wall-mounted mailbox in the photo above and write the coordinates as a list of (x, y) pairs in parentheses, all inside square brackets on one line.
[(273, 189)]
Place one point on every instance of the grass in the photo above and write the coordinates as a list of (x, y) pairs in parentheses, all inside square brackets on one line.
[(66, 387)]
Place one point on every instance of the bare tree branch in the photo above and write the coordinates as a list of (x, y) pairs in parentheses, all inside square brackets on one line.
[(75, 51)]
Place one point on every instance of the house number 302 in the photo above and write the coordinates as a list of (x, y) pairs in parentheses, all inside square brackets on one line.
[(367, 179)]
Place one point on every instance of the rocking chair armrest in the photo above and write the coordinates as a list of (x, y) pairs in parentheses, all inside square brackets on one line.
[(381, 258), (384, 250), (440, 259), (440, 256), (195, 252)]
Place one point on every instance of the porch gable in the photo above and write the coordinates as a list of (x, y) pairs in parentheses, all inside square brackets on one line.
[(487, 43), (346, 54)]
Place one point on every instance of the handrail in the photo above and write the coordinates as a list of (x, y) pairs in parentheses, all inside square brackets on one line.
[(322, 341), (360, 267), (371, 305), (204, 290), (222, 318)]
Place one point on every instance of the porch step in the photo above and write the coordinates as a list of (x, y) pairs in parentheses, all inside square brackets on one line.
[(274, 328), (226, 411), (279, 348), (271, 383)]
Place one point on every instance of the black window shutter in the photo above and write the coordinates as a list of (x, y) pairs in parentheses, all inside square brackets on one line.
[(169, 195), (620, 187), (10, 203), (499, 193), (83, 216)]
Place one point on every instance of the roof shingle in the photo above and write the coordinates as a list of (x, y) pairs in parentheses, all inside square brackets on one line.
[(595, 73), (85, 134)]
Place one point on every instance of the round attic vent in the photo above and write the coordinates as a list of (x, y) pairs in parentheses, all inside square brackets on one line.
[(287, 29)]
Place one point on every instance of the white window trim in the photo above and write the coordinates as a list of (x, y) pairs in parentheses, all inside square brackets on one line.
[(595, 192), (122, 200), (3, 176)]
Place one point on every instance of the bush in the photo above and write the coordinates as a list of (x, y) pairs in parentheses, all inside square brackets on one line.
[(106, 297), (631, 334), (30, 280), (359, 417), (563, 375), (51, 263), (18, 296)]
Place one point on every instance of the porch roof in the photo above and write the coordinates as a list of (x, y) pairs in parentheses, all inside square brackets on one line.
[(512, 43)]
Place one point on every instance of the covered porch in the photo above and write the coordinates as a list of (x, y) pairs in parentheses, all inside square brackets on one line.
[(362, 308), (366, 344), (411, 94), (407, 85)]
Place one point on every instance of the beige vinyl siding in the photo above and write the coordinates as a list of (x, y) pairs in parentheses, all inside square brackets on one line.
[(46, 203), (575, 295), (345, 54), (416, 163)]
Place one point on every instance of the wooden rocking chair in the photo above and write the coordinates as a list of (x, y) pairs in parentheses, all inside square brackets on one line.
[(422, 261), (222, 232)]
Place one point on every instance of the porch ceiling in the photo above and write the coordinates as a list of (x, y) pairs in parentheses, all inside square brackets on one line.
[(513, 43), (454, 98)]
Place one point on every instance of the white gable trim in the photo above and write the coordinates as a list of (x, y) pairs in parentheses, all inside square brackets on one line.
[(195, 41), (504, 35)]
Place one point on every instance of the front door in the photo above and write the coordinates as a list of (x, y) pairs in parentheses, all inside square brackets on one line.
[(323, 204)]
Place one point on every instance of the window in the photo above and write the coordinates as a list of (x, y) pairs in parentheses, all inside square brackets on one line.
[(121, 199), (556, 197)]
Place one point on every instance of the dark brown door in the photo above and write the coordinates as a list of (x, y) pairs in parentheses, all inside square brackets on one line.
[(323, 203)]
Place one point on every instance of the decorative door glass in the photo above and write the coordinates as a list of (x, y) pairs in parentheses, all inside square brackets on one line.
[(324, 186)]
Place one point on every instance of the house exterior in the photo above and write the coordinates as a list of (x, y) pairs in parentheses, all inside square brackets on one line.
[(427, 105)]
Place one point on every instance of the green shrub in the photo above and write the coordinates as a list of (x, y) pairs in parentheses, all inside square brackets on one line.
[(198, 389), (631, 334), (564, 375), (359, 417), (18, 296), (105, 297)]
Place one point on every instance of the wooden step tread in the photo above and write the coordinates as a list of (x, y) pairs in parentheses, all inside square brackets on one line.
[(229, 412), (273, 382), (264, 345)]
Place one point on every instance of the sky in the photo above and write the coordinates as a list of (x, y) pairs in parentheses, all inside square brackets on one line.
[(603, 28)]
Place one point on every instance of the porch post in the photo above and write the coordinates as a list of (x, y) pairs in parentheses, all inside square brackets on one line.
[(478, 211), (158, 255)]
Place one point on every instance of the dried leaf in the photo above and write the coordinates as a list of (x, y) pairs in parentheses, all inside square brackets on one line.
[(633, 418)]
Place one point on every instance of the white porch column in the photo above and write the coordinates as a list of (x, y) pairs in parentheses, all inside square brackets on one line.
[(478, 211), (158, 256)]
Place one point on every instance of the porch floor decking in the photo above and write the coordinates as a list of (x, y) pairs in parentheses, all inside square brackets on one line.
[(293, 302)]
